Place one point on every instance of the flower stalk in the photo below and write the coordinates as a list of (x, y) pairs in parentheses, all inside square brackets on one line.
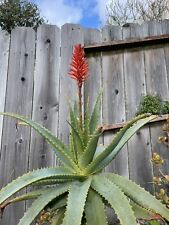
[(80, 106), (79, 71)]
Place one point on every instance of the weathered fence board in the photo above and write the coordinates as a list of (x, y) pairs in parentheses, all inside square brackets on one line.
[(113, 87), (157, 84), (15, 139), (140, 169), (70, 35), (38, 86), (111, 33), (4, 55), (93, 84), (113, 93), (165, 30), (164, 150), (46, 94)]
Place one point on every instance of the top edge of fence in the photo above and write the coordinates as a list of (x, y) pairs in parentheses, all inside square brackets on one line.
[(164, 23)]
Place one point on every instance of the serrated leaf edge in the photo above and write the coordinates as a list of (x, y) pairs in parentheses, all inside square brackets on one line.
[(67, 205), (116, 197)]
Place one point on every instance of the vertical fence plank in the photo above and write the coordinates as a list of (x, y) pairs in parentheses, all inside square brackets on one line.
[(157, 84), (46, 89), (155, 66), (70, 35), (4, 55), (163, 150), (140, 168), (113, 83), (165, 30), (93, 84), (15, 140), (111, 33), (113, 94)]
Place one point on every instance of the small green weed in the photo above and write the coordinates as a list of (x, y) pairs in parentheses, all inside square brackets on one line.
[(153, 104)]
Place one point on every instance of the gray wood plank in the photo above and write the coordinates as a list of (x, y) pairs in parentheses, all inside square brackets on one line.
[(163, 150), (157, 84), (113, 93), (4, 55), (93, 84), (165, 26), (111, 33), (46, 91), (140, 168), (154, 28), (156, 70), (71, 35), (15, 139), (165, 30), (113, 96)]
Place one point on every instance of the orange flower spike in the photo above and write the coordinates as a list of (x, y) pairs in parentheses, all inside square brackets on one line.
[(79, 69)]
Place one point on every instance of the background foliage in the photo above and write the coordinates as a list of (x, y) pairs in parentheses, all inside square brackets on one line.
[(121, 12), (19, 13)]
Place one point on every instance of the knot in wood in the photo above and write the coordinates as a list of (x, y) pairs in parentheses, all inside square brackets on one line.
[(23, 79), (116, 91), (48, 41)]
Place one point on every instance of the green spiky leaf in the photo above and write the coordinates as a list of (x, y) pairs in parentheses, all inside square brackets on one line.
[(48, 182), (90, 150), (39, 204), (118, 142), (95, 114), (59, 202), (60, 149), (31, 177), (27, 196), (110, 191), (139, 195), (140, 212), (76, 133), (76, 198), (86, 128), (95, 209), (77, 141)]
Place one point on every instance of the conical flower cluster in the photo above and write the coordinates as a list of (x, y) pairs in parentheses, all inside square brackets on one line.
[(79, 69)]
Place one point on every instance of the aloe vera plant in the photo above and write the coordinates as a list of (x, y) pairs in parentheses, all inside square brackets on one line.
[(77, 192)]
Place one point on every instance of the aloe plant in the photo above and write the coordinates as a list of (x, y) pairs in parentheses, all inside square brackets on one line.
[(77, 192)]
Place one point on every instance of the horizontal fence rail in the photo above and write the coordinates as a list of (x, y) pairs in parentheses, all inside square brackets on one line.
[(126, 44), (127, 63)]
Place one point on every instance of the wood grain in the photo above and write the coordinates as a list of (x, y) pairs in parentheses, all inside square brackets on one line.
[(113, 83), (16, 139), (71, 35), (46, 94), (4, 55), (157, 84)]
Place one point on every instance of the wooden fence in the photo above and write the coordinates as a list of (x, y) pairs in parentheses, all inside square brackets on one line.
[(34, 82)]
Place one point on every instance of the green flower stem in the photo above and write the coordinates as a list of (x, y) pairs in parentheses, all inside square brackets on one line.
[(80, 105)]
